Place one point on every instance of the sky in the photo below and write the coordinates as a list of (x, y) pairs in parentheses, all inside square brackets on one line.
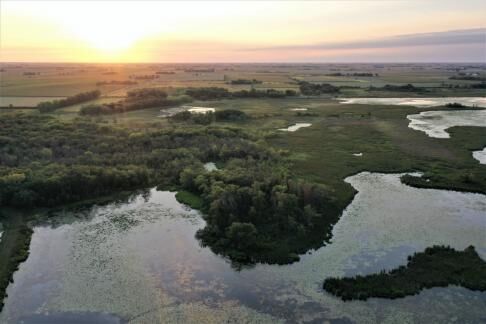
[(243, 31)]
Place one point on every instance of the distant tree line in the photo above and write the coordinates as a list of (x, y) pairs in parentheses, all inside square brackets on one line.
[(317, 89), (481, 85), (468, 77), (48, 106), (153, 97), (245, 81), (226, 115), (116, 82), (215, 93), (400, 88), (356, 74), (144, 77), (199, 70), (135, 100)]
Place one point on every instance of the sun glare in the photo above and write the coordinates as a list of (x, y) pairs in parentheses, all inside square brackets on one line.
[(112, 39), (103, 27)]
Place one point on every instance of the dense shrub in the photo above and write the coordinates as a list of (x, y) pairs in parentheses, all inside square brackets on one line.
[(230, 115)]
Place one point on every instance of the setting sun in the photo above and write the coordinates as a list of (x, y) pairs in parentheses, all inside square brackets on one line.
[(104, 29), (216, 31)]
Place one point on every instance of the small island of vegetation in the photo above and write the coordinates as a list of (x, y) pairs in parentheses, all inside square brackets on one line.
[(437, 266)]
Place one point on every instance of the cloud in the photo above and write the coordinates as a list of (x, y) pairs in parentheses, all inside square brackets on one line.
[(453, 37)]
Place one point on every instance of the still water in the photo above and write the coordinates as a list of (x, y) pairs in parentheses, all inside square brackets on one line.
[(418, 102), (137, 261), (295, 127), (436, 123), (478, 155)]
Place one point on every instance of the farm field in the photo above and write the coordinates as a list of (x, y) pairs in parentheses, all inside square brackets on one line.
[(21, 80)]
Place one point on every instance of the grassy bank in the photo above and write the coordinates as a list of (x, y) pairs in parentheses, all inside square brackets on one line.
[(438, 266), (14, 247), (189, 199), (324, 151)]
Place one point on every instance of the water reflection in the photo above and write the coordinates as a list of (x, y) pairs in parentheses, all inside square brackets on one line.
[(478, 155), (418, 102), (137, 261), (295, 127)]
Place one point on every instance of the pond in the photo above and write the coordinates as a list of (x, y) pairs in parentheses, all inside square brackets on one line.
[(480, 156), (435, 123), (200, 110), (167, 112), (418, 102), (137, 261), (295, 127)]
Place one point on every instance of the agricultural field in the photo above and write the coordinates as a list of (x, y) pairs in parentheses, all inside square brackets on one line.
[(32, 80)]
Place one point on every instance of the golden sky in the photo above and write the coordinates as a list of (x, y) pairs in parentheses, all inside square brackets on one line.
[(241, 31)]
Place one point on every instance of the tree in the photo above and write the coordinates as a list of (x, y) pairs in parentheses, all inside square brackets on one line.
[(242, 235)]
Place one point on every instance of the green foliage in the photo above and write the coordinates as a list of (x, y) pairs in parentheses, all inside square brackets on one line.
[(455, 105), (190, 199), (400, 88), (243, 236), (153, 97), (437, 266), (49, 106), (14, 249), (203, 119), (468, 77), (288, 215), (136, 100), (209, 93), (46, 162), (245, 81), (215, 93), (196, 118), (229, 115), (88, 160), (147, 92), (226, 115), (315, 89)]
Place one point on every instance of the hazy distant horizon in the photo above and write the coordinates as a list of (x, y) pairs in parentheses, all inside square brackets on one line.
[(243, 63), (241, 31)]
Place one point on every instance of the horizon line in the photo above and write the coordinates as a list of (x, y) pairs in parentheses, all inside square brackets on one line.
[(246, 62)]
